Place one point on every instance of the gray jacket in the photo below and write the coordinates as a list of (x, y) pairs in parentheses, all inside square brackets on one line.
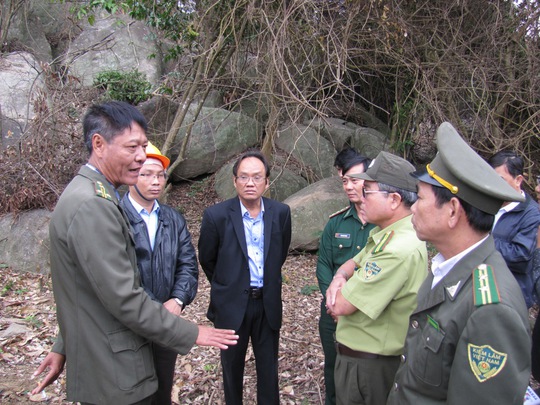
[(106, 319)]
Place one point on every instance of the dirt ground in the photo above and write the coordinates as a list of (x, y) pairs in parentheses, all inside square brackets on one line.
[(28, 326)]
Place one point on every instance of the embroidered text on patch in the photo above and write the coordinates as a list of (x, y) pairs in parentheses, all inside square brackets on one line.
[(485, 361), (371, 270)]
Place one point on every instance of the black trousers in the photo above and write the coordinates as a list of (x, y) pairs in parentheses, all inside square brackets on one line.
[(327, 331), (265, 342), (164, 362)]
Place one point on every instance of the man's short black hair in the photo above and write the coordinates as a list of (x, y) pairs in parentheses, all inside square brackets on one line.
[(251, 153), (109, 120), (348, 158), (513, 162), (479, 220)]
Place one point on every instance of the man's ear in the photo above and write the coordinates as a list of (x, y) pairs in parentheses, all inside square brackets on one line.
[(519, 180), (455, 212), (98, 143)]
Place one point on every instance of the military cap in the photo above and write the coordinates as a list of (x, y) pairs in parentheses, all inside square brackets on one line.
[(461, 170), (389, 169)]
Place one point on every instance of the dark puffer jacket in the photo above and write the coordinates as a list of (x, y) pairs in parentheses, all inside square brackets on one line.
[(170, 271), (515, 237)]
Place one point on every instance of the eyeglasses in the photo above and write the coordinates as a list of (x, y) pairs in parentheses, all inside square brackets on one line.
[(365, 192), (150, 176), (246, 179)]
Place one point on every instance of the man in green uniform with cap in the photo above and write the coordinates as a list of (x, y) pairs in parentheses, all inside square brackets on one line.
[(343, 237), (374, 302), (468, 340)]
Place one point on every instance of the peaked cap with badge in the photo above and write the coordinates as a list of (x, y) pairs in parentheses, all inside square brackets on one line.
[(461, 170), (389, 169)]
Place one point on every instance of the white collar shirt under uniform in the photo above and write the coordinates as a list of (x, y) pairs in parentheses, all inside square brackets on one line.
[(503, 210), (149, 218), (441, 267), (254, 231)]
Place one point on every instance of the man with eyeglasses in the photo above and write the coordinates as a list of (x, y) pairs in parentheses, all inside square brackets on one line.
[(243, 244), (343, 237), (468, 339), (107, 322), (373, 294), (165, 255)]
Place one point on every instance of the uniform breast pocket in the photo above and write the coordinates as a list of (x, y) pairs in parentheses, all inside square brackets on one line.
[(428, 357), (342, 249), (131, 357)]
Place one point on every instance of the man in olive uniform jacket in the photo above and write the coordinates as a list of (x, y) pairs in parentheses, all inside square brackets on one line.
[(107, 322), (374, 301), (468, 340)]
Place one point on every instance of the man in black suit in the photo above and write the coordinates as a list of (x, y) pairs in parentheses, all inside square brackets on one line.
[(243, 243)]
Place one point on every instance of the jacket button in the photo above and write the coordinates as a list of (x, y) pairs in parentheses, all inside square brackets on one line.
[(396, 386), (341, 246), (414, 324), (403, 358)]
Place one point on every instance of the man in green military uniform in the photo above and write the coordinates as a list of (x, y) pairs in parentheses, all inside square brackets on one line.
[(468, 340), (343, 237), (374, 302)]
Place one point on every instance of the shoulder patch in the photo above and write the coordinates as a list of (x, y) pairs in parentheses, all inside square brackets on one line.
[(341, 211), (371, 270), (101, 191), (485, 288), (379, 247), (485, 361)]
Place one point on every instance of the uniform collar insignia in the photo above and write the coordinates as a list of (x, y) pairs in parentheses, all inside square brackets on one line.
[(453, 289)]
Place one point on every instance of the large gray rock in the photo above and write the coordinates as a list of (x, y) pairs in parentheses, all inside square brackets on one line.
[(11, 131), (308, 148), (283, 183), (113, 43), (310, 209), (24, 245), (369, 141), (20, 85), (216, 137), (337, 131), (159, 112), (44, 28)]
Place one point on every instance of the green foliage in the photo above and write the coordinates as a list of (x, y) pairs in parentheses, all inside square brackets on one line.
[(131, 87), (308, 289), (7, 288), (209, 367), (34, 321)]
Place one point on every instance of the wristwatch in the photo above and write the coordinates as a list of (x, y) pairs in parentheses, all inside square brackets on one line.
[(179, 302)]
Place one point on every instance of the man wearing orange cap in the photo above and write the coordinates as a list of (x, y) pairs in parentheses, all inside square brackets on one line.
[(165, 255)]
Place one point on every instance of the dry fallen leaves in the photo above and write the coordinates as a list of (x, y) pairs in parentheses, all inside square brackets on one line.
[(27, 306)]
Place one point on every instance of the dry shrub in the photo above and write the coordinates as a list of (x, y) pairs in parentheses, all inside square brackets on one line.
[(36, 170)]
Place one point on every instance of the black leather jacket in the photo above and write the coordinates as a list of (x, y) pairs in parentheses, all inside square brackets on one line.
[(171, 270)]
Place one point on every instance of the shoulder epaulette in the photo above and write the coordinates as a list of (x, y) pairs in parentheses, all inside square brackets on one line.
[(101, 191), (379, 247), (485, 288), (341, 211)]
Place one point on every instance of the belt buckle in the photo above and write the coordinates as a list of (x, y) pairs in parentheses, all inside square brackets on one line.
[(255, 292)]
